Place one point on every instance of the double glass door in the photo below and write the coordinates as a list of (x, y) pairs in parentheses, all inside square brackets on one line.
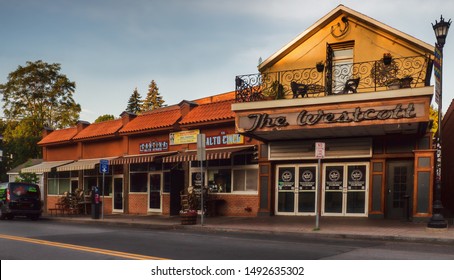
[(345, 189), (296, 187)]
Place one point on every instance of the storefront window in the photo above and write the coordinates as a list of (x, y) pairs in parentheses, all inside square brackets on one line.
[(138, 182), (219, 180), (245, 180), (91, 181), (58, 183)]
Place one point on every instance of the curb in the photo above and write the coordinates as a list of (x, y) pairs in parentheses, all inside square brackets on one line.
[(210, 228)]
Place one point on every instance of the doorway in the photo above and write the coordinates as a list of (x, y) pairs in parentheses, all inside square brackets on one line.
[(118, 194), (154, 192), (399, 189), (296, 188), (345, 189)]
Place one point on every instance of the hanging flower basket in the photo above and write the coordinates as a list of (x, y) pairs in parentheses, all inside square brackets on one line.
[(320, 66), (189, 217), (387, 58)]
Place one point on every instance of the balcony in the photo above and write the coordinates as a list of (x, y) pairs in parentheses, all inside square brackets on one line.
[(353, 78)]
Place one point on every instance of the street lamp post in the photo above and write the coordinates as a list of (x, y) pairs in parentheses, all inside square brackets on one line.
[(441, 31)]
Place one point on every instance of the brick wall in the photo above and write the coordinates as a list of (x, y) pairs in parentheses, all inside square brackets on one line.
[(238, 205), (166, 204), (138, 203)]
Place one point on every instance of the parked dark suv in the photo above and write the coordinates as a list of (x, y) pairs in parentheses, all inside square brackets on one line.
[(20, 199)]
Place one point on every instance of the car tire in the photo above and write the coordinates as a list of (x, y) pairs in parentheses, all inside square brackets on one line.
[(34, 217), (2, 215)]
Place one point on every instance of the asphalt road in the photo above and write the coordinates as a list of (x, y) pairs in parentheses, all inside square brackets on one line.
[(21, 239)]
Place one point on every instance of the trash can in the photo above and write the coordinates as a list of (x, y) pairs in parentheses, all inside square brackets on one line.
[(95, 203)]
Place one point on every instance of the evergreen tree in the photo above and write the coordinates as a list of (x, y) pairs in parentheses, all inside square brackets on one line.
[(134, 103), (153, 99)]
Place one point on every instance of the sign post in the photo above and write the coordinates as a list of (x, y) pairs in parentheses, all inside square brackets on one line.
[(201, 156), (103, 168), (319, 153)]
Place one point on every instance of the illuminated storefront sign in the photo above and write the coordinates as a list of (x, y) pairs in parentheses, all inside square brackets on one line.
[(154, 146), (224, 139), (312, 118)]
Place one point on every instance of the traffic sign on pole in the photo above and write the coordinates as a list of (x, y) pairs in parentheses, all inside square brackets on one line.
[(103, 166), (319, 149)]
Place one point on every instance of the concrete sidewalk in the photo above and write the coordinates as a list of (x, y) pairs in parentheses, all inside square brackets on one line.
[(335, 227)]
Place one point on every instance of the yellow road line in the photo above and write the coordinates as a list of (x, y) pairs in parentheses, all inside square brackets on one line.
[(81, 248)]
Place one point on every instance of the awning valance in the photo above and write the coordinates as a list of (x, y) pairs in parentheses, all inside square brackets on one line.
[(45, 166), (139, 158), (211, 154), (83, 164)]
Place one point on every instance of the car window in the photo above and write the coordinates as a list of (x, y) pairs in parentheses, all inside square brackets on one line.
[(23, 190)]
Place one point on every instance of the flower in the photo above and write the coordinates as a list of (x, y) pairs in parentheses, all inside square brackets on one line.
[(189, 212)]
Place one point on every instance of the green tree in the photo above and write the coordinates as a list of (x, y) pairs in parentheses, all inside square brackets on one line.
[(40, 93), (134, 102), (153, 99), (27, 178), (105, 117), (36, 96)]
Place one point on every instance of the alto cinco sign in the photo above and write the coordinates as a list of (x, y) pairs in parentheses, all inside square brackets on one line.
[(309, 118)]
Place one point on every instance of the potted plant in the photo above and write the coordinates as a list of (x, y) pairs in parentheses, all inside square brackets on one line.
[(189, 203), (275, 91), (393, 84), (320, 66), (387, 58), (405, 82)]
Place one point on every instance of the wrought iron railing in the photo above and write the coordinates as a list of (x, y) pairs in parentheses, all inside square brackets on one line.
[(340, 79)]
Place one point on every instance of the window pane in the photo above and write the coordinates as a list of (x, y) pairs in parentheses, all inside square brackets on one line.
[(52, 186), (239, 180), (64, 186), (90, 182), (138, 182), (251, 179), (219, 180), (107, 185), (356, 202), (306, 202), (333, 202), (286, 202)]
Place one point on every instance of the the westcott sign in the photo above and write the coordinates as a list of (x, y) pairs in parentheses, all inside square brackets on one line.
[(312, 118)]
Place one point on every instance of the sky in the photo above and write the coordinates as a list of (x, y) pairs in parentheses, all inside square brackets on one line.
[(191, 48)]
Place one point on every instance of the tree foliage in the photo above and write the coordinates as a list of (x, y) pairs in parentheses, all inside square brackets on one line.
[(27, 178), (40, 94), (106, 117), (134, 102), (35, 96), (153, 99)]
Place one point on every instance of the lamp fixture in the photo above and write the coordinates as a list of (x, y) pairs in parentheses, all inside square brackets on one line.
[(441, 30)]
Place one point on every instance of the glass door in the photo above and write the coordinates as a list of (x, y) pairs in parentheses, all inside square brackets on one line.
[(296, 190), (118, 194), (154, 192), (286, 190), (307, 189), (345, 189)]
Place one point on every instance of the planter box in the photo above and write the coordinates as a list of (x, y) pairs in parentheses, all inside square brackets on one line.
[(188, 219)]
